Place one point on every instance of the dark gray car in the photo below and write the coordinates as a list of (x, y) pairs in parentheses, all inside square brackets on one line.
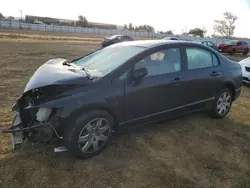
[(82, 102)]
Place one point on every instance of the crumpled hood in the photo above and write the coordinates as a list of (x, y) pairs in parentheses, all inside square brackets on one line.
[(53, 72)]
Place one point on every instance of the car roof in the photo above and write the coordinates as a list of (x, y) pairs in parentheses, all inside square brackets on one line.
[(150, 43)]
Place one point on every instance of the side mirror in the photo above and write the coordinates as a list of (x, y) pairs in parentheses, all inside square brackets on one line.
[(139, 73)]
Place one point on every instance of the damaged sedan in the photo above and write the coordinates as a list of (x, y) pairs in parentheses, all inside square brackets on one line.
[(83, 101)]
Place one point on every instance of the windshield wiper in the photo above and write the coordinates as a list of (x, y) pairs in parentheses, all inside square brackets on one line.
[(87, 73), (68, 63)]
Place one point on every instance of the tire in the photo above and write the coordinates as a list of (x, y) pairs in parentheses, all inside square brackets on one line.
[(245, 51), (224, 97), (94, 136), (232, 52)]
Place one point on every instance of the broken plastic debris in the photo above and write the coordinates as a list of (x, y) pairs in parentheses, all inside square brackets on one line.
[(60, 149)]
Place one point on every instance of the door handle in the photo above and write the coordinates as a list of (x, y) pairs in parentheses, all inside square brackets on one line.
[(215, 73)]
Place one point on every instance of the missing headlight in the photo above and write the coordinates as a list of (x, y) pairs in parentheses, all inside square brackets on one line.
[(43, 114)]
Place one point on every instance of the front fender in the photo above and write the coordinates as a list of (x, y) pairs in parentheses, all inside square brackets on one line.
[(72, 105)]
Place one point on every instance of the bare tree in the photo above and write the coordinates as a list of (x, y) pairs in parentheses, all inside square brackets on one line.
[(204, 29), (226, 27)]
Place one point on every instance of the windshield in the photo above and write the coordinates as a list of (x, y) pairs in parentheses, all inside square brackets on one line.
[(232, 42), (107, 59)]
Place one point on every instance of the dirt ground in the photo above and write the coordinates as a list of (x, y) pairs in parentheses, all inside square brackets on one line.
[(191, 152)]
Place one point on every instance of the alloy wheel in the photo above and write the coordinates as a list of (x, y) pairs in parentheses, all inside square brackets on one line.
[(223, 103), (94, 135)]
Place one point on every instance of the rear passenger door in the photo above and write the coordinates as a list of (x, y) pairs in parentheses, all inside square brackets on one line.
[(204, 76)]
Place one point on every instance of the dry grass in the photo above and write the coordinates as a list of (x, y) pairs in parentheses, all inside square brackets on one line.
[(193, 151)]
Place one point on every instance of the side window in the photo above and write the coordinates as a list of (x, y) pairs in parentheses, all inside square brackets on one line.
[(127, 38), (119, 37), (198, 58), (215, 60), (205, 43), (162, 62), (210, 44)]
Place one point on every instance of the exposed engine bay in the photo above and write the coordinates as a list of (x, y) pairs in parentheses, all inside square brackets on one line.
[(31, 121)]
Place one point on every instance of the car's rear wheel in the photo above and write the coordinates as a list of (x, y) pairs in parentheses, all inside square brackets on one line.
[(90, 134), (222, 103), (232, 52), (245, 51)]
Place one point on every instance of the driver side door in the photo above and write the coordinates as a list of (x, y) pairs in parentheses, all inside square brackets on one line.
[(160, 92)]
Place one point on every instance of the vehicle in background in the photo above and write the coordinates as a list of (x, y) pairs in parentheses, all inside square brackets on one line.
[(209, 44), (170, 38), (83, 101), (234, 46), (245, 65), (107, 41)]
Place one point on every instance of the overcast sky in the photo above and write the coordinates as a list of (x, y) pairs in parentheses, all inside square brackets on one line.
[(163, 15)]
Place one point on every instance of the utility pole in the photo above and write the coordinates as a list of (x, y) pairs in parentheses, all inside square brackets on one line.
[(21, 11)]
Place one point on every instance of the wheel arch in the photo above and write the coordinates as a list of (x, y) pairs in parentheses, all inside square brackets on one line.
[(100, 107), (231, 87)]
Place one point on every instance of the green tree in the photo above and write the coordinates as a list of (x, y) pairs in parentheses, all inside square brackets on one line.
[(148, 28), (196, 32), (226, 27), (167, 32), (82, 20), (125, 26)]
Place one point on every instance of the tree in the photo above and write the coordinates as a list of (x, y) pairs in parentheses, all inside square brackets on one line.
[(130, 26), (196, 32), (125, 26), (226, 27), (1, 16), (204, 29), (167, 32), (147, 28), (10, 18), (82, 20)]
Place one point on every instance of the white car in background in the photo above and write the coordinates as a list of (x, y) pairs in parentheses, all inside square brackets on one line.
[(245, 65)]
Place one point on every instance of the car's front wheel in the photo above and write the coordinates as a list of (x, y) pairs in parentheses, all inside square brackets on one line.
[(222, 104), (90, 134)]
